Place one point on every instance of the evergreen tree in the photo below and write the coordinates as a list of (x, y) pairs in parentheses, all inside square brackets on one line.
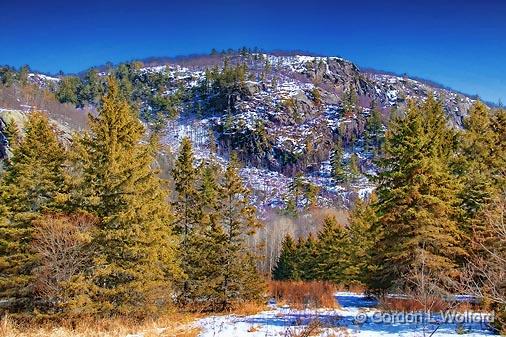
[(354, 168), (285, 268), (12, 133), (349, 102), (312, 191), (333, 252), (213, 148), (134, 248), (483, 148), (307, 254), (417, 198), (296, 188), (92, 89), (185, 208), (373, 132), (68, 90), (477, 145), (317, 98), (7, 76), (362, 237), (23, 74), (185, 180), (33, 183), (240, 278), (207, 245), (336, 164)]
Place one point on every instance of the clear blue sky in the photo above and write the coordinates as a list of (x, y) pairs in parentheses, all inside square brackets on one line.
[(461, 44)]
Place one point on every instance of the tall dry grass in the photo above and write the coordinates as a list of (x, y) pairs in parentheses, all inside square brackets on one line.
[(410, 304), (176, 325), (310, 294)]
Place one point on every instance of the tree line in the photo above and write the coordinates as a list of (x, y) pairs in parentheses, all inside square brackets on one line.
[(89, 227), (436, 209)]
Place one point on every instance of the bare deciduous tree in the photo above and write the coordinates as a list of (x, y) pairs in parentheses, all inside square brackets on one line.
[(61, 243)]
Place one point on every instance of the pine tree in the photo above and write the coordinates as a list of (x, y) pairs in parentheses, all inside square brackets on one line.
[(312, 191), (307, 254), (24, 71), (240, 278), (285, 268), (12, 133), (296, 188), (373, 132), (417, 198), (336, 164), (213, 148), (477, 145), (185, 180), (92, 89), (185, 208), (353, 167), (498, 160), (134, 247), (349, 102), (317, 98), (333, 252), (207, 245), (362, 238), (68, 90), (33, 183)]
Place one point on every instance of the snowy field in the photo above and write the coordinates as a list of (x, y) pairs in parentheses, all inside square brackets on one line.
[(347, 321)]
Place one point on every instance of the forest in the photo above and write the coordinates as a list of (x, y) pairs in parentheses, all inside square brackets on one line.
[(93, 225)]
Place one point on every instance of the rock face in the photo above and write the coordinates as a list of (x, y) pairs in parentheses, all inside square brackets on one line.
[(282, 116), (6, 116)]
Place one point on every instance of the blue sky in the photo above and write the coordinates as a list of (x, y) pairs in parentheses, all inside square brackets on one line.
[(461, 44)]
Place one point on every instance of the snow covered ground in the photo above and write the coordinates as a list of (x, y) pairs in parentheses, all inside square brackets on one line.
[(347, 321)]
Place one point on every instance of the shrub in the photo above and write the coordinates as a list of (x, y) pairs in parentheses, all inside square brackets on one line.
[(313, 294)]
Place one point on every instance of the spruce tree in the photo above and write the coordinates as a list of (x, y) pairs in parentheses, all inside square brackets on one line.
[(186, 210), (498, 160), (12, 133), (134, 247), (33, 183), (362, 238), (353, 167), (417, 198), (373, 132), (307, 254), (240, 278), (336, 164), (333, 252), (296, 188), (185, 180), (68, 90), (285, 268), (206, 245), (477, 148)]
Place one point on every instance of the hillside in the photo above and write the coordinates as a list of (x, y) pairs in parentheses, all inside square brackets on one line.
[(283, 115)]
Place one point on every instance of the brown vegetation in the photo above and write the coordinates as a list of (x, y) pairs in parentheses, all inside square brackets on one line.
[(61, 243), (33, 98), (298, 294), (174, 324)]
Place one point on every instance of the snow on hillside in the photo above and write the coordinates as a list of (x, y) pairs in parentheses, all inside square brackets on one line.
[(279, 95)]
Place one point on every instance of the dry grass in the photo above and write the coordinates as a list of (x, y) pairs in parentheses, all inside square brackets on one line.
[(435, 304), (356, 287), (248, 308), (314, 294), (174, 325), (314, 328)]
